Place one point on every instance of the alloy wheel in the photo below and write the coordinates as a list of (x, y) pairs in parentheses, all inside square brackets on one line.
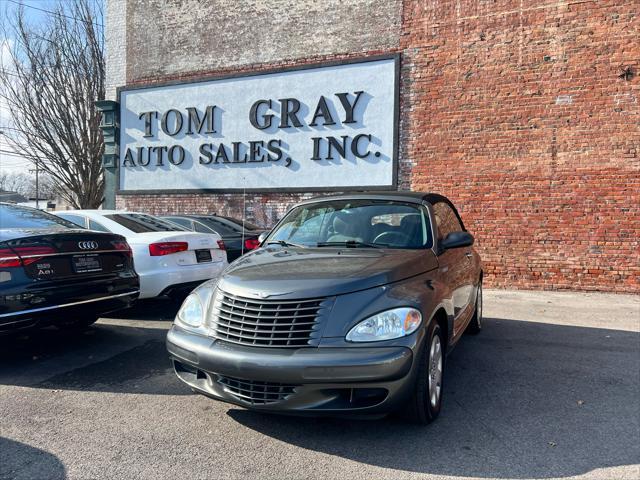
[(435, 371)]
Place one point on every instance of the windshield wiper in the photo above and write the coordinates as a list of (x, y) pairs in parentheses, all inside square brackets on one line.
[(352, 244), (285, 244)]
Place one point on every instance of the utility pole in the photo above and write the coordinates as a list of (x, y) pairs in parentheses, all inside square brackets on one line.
[(37, 171)]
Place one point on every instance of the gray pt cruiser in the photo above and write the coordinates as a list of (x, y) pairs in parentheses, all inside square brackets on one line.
[(349, 306)]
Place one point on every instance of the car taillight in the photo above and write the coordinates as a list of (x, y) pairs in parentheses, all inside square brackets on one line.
[(221, 245), (8, 258), (23, 255), (122, 246), (167, 248), (251, 243)]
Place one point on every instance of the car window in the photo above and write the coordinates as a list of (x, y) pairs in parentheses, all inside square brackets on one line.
[(184, 222), (93, 225), (14, 216), (247, 225), (75, 218), (219, 227), (199, 227), (141, 223), (446, 220), (370, 223)]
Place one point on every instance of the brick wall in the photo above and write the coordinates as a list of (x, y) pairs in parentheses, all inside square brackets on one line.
[(520, 117), (518, 110)]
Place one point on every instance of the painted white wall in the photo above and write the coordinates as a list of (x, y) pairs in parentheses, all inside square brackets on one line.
[(233, 98)]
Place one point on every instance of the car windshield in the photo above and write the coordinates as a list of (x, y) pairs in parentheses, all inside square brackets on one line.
[(141, 223), (355, 223), (14, 216)]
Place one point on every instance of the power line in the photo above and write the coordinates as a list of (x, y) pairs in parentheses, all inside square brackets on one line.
[(54, 13), (5, 72), (12, 154)]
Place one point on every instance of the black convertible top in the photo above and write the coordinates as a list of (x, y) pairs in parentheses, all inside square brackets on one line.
[(400, 195)]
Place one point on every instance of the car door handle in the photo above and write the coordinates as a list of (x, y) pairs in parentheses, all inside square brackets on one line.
[(469, 255)]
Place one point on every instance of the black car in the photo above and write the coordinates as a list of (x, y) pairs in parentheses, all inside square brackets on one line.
[(52, 272), (348, 307), (236, 240)]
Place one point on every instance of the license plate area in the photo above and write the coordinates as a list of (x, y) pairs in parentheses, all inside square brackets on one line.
[(89, 263), (203, 256)]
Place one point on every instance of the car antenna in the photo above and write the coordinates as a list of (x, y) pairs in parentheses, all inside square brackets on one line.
[(244, 210)]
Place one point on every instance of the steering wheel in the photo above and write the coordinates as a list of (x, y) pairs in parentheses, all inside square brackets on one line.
[(393, 238)]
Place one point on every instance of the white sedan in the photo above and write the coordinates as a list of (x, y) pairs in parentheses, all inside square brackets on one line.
[(168, 259)]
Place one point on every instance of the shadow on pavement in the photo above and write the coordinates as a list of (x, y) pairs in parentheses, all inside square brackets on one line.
[(162, 308), (20, 461), (105, 357), (522, 400)]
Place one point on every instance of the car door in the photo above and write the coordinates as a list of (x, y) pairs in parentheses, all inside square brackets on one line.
[(456, 265)]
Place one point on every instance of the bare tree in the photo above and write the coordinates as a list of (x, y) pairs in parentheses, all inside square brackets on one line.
[(15, 182), (55, 74), (25, 184)]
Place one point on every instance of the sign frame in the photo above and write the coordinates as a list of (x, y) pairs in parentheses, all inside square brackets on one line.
[(208, 78)]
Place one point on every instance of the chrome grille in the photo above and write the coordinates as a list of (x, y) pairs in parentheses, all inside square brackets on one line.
[(267, 323), (256, 393)]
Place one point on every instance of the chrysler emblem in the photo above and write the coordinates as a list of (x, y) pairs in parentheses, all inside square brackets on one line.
[(267, 295), (88, 245)]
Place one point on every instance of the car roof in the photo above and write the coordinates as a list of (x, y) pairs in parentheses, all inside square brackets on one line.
[(398, 195), (100, 212)]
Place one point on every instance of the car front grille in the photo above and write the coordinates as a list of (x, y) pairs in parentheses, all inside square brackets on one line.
[(256, 393), (268, 323)]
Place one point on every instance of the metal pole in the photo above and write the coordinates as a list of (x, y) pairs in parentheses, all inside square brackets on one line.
[(37, 188)]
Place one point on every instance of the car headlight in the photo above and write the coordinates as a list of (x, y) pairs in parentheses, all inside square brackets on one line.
[(394, 323), (191, 312)]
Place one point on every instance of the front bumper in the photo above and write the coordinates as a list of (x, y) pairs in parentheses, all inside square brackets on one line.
[(53, 314), (368, 380)]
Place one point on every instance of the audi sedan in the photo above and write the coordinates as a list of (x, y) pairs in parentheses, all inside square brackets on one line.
[(54, 273), (169, 259), (349, 306)]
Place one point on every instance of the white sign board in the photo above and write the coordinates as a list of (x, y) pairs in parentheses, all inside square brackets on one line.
[(330, 127)]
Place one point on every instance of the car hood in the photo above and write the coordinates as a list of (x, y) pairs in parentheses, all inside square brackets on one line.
[(282, 273)]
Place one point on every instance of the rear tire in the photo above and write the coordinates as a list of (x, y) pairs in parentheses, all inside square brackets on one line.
[(426, 400), (475, 325)]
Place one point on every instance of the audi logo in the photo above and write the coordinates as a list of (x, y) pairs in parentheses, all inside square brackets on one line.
[(90, 245)]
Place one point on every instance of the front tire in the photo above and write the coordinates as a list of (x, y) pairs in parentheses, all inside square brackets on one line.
[(426, 400)]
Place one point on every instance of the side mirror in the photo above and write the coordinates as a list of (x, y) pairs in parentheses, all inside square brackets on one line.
[(457, 240), (262, 237)]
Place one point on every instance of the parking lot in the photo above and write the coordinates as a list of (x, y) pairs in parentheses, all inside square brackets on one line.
[(550, 388)]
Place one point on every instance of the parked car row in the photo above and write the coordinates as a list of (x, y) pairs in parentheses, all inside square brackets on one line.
[(349, 305), (239, 236), (69, 268), (169, 259)]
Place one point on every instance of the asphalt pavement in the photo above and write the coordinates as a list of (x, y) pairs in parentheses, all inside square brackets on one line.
[(549, 389)]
